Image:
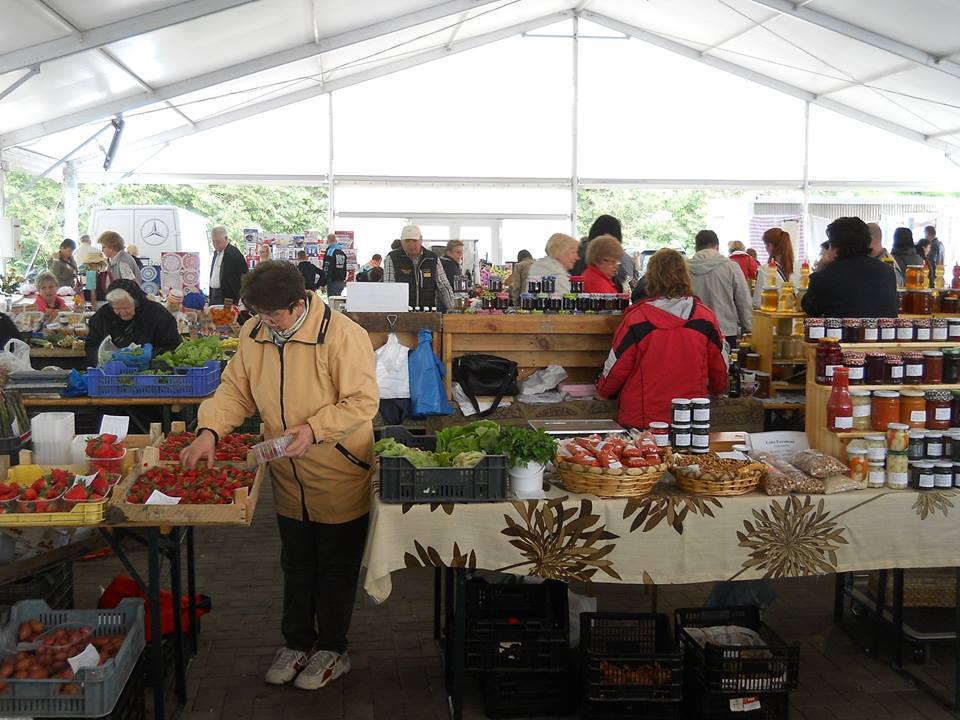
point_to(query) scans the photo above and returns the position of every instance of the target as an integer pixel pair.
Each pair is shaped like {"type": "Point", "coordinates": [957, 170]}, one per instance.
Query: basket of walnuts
{"type": "Point", "coordinates": [613, 466]}
{"type": "Point", "coordinates": [710, 474]}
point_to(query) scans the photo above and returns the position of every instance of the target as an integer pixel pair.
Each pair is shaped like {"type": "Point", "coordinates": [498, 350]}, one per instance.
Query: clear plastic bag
{"type": "Point", "coordinates": [819, 465]}
{"type": "Point", "coordinates": [841, 483]}
{"type": "Point", "coordinates": [782, 478]}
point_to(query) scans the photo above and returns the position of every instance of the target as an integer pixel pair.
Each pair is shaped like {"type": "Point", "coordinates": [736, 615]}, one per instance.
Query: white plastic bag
{"type": "Point", "coordinates": [543, 380]}
{"type": "Point", "coordinates": [392, 375]}
{"type": "Point", "coordinates": [15, 355]}
{"type": "Point", "coordinates": [105, 351]}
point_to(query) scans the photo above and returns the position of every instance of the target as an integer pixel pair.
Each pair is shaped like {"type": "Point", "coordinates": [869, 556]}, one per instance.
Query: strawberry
{"type": "Point", "coordinates": [100, 484]}
{"type": "Point", "coordinates": [30, 494]}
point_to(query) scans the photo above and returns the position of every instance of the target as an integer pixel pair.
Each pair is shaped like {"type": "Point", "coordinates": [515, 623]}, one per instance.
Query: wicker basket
{"type": "Point", "coordinates": [738, 482]}
{"type": "Point", "coordinates": [605, 485]}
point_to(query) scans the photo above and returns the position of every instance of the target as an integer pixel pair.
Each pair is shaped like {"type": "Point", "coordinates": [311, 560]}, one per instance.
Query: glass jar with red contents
{"type": "Point", "coordinates": [913, 368]}
{"type": "Point", "coordinates": [888, 329]}
{"type": "Point", "coordinates": [893, 370]}
{"type": "Point", "coordinates": [850, 330]}
{"type": "Point", "coordinates": [949, 301]}
{"type": "Point", "coordinates": [813, 329]}
{"type": "Point", "coordinates": [913, 409]}
{"type": "Point", "coordinates": [956, 277]}
{"type": "Point", "coordinates": [840, 405]}
{"type": "Point", "coordinates": [904, 329]}
{"type": "Point", "coordinates": [873, 368]}
{"type": "Point", "coordinates": [829, 356]}
{"type": "Point", "coordinates": [921, 329]}
{"type": "Point", "coordinates": [902, 301]}
{"type": "Point", "coordinates": [869, 331]}
{"type": "Point", "coordinates": [923, 304]}
{"type": "Point", "coordinates": [938, 409]}
{"type": "Point", "coordinates": [884, 409]}
{"type": "Point", "coordinates": [932, 367]}
{"type": "Point", "coordinates": [855, 362]}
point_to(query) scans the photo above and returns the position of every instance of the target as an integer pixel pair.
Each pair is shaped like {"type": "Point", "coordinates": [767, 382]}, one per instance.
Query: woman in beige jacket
{"type": "Point", "coordinates": [310, 373]}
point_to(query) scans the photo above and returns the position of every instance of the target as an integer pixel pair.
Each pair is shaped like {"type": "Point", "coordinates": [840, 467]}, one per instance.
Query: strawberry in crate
{"type": "Point", "coordinates": [41, 496]}
{"type": "Point", "coordinates": [106, 452]}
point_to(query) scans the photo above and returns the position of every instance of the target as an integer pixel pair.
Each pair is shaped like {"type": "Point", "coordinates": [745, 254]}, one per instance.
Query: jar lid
{"type": "Point", "coordinates": [701, 401]}
{"type": "Point", "coordinates": [875, 438]}
{"type": "Point", "coordinates": [921, 465]}
{"type": "Point", "coordinates": [932, 353]}
{"type": "Point", "coordinates": [938, 322]}
{"type": "Point", "coordinates": [701, 426]}
{"type": "Point", "coordinates": [856, 451]}
{"type": "Point", "coordinates": [933, 434]}
{"type": "Point", "coordinates": [876, 355]}
{"type": "Point", "coordinates": [894, 360]}
{"type": "Point", "coordinates": [833, 322]}
{"type": "Point", "coordinates": [898, 426]}
{"type": "Point", "coordinates": [680, 401]}
{"type": "Point", "coordinates": [682, 427]}
{"type": "Point", "coordinates": [911, 393]}
{"type": "Point", "coordinates": [903, 323]}
{"type": "Point", "coordinates": [659, 425]}
{"type": "Point", "coordinates": [944, 465]}
{"type": "Point", "coordinates": [830, 341]}
{"type": "Point", "coordinates": [886, 394]}
{"type": "Point", "coordinates": [939, 396]}
{"type": "Point", "coordinates": [854, 357]}
{"type": "Point", "coordinates": [852, 322]}
{"type": "Point", "coordinates": [859, 392]}
{"type": "Point", "coordinates": [917, 434]}
{"type": "Point", "coordinates": [912, 356]}
{"type": "Point", "coordinates": [813, 322]}
{"type": "Point", "coordinates": [876, 464]}
{"type": "Point", "coordinates": [869, 322]}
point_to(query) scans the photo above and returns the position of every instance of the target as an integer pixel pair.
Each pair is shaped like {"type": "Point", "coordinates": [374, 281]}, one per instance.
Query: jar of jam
{"type": "Point", "coordinates": [921, 329]}
{"type": "Point", "coordinates": [861, 409]}
{"type": "Point", "coordinates": [533, 287]}
{"type": "Point", "coordinates": [700, 437]}
{"type": "Point", "coordinates": [701, 410]}
{"type": "Point", "coordinates": [851, 330]}
{"type": "Point", "coordinates": [951, 366]}
{"type": "Point", "coordinates": [913, 409]}
{"type": "Point", "coordinates": [548, 284]}
{"type": "Point", "coordinates": [682, 411]}
{"type": "Point", "coordinates": [949, 438]}
{"type": "Point", "coordinates": [943, 475]}
{"type": "Point", "coordinates": [857, 462]}
{"type": "Point", "coordinates": [526, 302]}
{"type": "Point", "coordinates": [873, 368]}
{"type": "Point", "coordinates": [955, 409]}
{"type": "Point", "coordinates": [486, 302]}
{"type": "Point", "coordinates": [953, 329]}
{"type": "Point", "coordinates": [912, 368]}
{"type": "Point", "coordinates": [938, 409]}
{"type": "Point", "coordinates": [753, 361]}
{"type": "Point", "coordinates": [569, 302]}
{"type": "Point", "coordinates": [828, 357]}
{"type": "Point", "coordinates": [763, 384]}
{"type": "Point", "coordinates": [503, 301]}
{"type": "Point", "coordinates": [932, 367]}
{"type": "Point", "coordinates": [888, 329]}
{"type": "Point", "coordinates": [898, 470]}
{"type": "Point", "coordinates": [576, 285]}
{"type": "Point", "coordinates": [884, 409]}
{"type": "Point", "coordinates": [876, 448]}
{"type": "Point", "coordinates": [834, 327]}
{"type": "Point", "coordinates": [661, 433]}
{"type": "Point", "coordinates": [583, 303]}
{"type": "Point", "coordinates": [917, 447]}
{"type": "Point", "coordinates": [950, 301]}
{"type": "Point", "coordinates": [555, 303]}
{"type": "Point", "coordinates": [623, 302]}
{"type": "Point", "coordinates": [898, 439]}
{"type": "Point", "coordinates": [939, 329]}
{"type": "Point", "coordinates": [495, 284]}
{"type": "Point", "coordinates": [680, 437]}
{"type": "Point", "coordinates": [876, 475]}
{"type": "Point", "coordinates": [904, 329]}
{"type": "Point", "coordinates": [933, 445]}
{"type": "Point", "coordinates": [855, 362]}
{"type": "Point", "coordinates": [902, 301]}
{"type": "Point", "coordinates": [596, 302]}
{"type": "Point", "coordinates": [923, 476]}
{"type": "Point", "coordinates": [813, 329]}
{"type": "Point", "coordinates": [893, 370]}
{"type": "Point", "coordinates": [923, 305]}
{"type": "Point", "coordinates": [870, 331]}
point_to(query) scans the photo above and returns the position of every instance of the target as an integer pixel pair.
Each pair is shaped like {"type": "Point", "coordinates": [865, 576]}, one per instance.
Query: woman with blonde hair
{"type": "Point", "coordinates": [738, 253]}
{"type": "Point", "coordinates": [668, 345]}
{"type": "Point", "coordinates": [780, 252]}
{"type": "Point", "coordinates": [561, 257]}
{"type": "Point", "coordinates": [603, 262]}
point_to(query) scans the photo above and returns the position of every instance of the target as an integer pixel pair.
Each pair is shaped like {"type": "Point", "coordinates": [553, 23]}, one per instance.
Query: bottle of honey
{"type": "Point", "coordinates": [770, 296]}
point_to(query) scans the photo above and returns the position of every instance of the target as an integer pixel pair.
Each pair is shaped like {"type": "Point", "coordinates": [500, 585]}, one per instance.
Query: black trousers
{"type": "Point", "coordinates": [216, 296]}
{"type": "Point", "coordinates": [321, 565]}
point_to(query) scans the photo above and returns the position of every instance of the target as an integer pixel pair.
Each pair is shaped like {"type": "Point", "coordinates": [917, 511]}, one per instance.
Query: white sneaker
{"type": "Point", "coordinates": [322, 667]}
{"type": "Point", "coordinates": [286, 664]}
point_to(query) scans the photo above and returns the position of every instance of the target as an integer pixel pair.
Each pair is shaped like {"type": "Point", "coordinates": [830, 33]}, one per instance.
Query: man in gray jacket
{"type": "Point", "coordinates": [721, 286]}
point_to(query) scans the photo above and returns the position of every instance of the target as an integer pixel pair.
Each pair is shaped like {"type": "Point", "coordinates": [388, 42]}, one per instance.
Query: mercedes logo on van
{"type": "Point", "coordinates": [154, 232]}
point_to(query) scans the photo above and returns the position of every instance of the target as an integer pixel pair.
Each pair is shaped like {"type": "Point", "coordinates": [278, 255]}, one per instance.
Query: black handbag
{"type": "Point", "coordinates": [486, 375]}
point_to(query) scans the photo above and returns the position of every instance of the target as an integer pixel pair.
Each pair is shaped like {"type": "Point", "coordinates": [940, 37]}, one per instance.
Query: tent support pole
{"type": "Point", "coordinates": [331, 211]}
{"type": "Point", "coordinates": [575, 128]}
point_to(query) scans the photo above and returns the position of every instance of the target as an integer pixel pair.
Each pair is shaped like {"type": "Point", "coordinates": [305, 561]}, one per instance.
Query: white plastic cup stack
{"type": "Point", "coordinates": [53, 432]}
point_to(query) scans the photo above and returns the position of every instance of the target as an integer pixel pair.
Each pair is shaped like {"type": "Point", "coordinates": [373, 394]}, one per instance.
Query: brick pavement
{"type": "Point", "coordinates": [397, 669]}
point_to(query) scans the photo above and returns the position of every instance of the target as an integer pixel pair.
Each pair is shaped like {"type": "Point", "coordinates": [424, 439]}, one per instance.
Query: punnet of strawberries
{"type": "Point", "coordinates": [201, 486]}
{"type": "Point", "coordinates": [97, 490]}
{"type": "Point", "coordinates": [231, 448]}
{"type": "Point", "coordinates": [106, 452]}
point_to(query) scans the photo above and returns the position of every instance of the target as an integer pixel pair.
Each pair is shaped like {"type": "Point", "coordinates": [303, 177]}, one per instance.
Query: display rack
{"type": "Point", "coordinates": [835, 443]}
{"type": "Point", "coordinates": [766, 325]}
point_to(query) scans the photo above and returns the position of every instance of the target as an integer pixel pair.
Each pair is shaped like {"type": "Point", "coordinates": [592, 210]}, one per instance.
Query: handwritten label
{"type": "Point", "coordinates": [89, 658]}
{"type": "Point", "coordinates": [159, 498]}
{"type": "Point", "coordinates": [118, 425]}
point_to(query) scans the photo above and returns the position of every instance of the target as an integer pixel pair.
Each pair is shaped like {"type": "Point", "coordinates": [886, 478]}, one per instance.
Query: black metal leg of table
{"type": "Point", "coordinates": [838, 589]}
{"type": "Point", "coordinates": [179, 662]}
{"type": "Point", "coordinates": [956, 647]}
{"type": "Point", "coordinates": [898, 618]}
{"type": "Point", "coordinates": [156, 637]}
{"type": "Point", "coordinates": [448, 625]}
{"type": "Point", "coordinates": [437, 594]}
{"type": "Point", "coordinates": [192, 592]}
{"type": "Point", "coordinates": [455, 649]}
{"type": "Point", "coordinates": [878, 624]}
{"type": "Point", "coordinates": [166, 417]}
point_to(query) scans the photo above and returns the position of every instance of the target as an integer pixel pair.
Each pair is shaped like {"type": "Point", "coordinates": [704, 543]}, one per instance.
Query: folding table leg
{"type": "Point", "coordinates": [436, 603]}
{"type": "Point", "coordinates": [156, 632]}
{"type": "Point", "coordinates": [192, 591]}
{"type": "Point", "coordinates": [898, 618]}
{"type": "Point", "coordinates": [838, 589]}
{"type": "Point", "coordinates": [456, 648]}
{"type": "Point", "coordinates": [180, 666]}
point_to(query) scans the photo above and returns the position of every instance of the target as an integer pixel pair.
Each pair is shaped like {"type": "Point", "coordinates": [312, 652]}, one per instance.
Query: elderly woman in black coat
{"type": "Point", "coordinates": [129, 316]}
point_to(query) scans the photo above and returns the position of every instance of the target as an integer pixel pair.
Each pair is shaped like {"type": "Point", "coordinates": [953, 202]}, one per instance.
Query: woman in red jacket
{"type": "Point", "coordinates": [603, 261]}
{"type": "Point", "coordinates": [668, 346]}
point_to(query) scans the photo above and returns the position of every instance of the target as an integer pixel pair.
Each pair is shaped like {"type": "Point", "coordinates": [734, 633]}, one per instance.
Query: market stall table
{"type": "Point", "coordinates": [168, 405]}
{"type": "Point", "coordinates": [67, 358]}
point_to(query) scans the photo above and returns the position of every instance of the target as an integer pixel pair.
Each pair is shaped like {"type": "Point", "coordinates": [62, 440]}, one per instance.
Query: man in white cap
{"type": "Point", "coordinates": [420, 269]}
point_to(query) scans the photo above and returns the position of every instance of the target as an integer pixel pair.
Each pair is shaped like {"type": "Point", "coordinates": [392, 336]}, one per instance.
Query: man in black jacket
{"type": "Point", "coordinates": [334, 275]}
{"type": "Point", "coordinates": [312, 277]}
{"type": "Point", "coordinates": [854, 285]}
{"type": "Point", "coordinates": [229, 266]}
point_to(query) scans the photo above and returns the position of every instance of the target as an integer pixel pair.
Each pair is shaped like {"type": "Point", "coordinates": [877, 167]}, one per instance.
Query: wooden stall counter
{"type": "Point", "coordinates": [406, 325]}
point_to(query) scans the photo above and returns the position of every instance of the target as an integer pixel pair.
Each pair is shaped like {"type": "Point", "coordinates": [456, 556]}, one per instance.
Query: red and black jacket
{"type": "Point", "coordinates": [658, 356]}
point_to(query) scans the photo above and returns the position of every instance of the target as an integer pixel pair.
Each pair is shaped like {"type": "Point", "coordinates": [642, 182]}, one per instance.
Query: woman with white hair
{"type": "Point", "coordinates": [129, 316]}
{"type": "Point", "coordinates": [122, 266]}
{"type": "Point", "coordinates": [561, 257]}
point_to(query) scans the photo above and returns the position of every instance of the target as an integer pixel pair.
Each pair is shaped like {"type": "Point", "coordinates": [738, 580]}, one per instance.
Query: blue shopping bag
{"type": "Point", "coordinates": [428, 396]}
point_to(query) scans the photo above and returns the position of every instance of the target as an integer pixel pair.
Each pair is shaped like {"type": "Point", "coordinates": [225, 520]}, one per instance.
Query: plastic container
{"type": "Point", "coordinates": [533, 694]}
{"type": "Point", "coordinates": [516, 626]}
{"type": "Point", "coordinates": [52, 435]}
{"type": "Point", "coordinates": [402, 482]}
{"type": "Point", "coordinates": [117, 380]}
{"type": "Point", "coordinates": [112, 466]}
{"type": "Point", "coordinates": [99, 687]}
{"type": "Point", "coordinates": [271, 449]}
{"type": "Point", "coordinates": [53, 586]}
{"type": "Point", "coordinates": [526, 481]}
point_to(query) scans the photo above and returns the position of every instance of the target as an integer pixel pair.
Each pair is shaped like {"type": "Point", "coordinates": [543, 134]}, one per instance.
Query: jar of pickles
{"type": "Point", "coordinates": [892, 370]}
{"type": "Point", "coordinates": [873, 368]}
{"type": "Point", "coordinates": [898, 470]}
{"type": "Point", "coordinates": [834, 328]}
{"type": "Point", "coordinates": [888, 329]}
{"type": "Point", "coordinates": [932, 367]}
{"type": "Point", "coordinates": [938, 409]}
{"type": "Point", "coordinates": [904, 329]}
{"type": "Point", "coordinates": [857, 462]}
{"type": "Point", "coordinates": [855, 362]}
{"type": "Point", "coordinates": [876, 475]}
{"type": "Point", "coordinates": [876, 448]}
{"type": "Point", "coordinates": [912, 368]}
{"type": "Point", "coordinates": [921, 329]}
{"type": "Point", "coordinates": [850, 330]}
{"type": "Point", "coordinates": [884, 409]}
{"type": "Point", "coordinates": [861, 401]}
{"type": "Point", "coordinates": [828, 357]}
{"type": "Point", "coordinates": [898, 438]}
{"type": "Point", "coordinates": [951, 366]}
{"type": "Point", "coordinates": [913, 409]}
{"type": "Point", "coordinates": [813, 329]}
{"type": "Point", "coordinates": [938, 329]}
{"type": "Point", "coordinates": [869, 331]}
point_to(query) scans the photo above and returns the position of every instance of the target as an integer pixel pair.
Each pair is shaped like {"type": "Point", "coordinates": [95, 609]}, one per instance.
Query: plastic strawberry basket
{"type": "Point", "coordinates": [100, 687]}
{"type": "Point", "coordinates": [115, 379]}
{"type": "Point", "coordinates": [403, 482]}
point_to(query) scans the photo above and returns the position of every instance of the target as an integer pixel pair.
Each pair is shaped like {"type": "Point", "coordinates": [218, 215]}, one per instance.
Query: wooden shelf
{"type": "Point", "coordinates": [779, 315]}
{"type": "Point", "coordinates": [941, 386]}
{"type": "Point", "coordinates": [781, 385]}
{"type": "Point", "coordinates": [790, 362]}
{"type": "Point", "coordinates": [895, 345]}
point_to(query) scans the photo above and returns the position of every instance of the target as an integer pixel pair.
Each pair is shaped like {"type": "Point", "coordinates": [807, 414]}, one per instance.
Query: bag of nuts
{"type": "Point", "coordinates": [782, 478]}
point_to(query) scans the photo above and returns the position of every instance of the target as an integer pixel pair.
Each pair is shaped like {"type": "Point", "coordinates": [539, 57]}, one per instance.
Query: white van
{"type": "Point", "coordinates": [155, 229]}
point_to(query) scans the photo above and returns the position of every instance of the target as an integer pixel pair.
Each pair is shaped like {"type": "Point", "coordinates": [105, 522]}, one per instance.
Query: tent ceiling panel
{"type": "Point", "coordinates": [25, 24]}
{"type": "Point", "coordinates": [933, 94]}
{"type": "Point", "coordinates": [86, 14]}
{"type": "Point", "coordinates": [896, 109]}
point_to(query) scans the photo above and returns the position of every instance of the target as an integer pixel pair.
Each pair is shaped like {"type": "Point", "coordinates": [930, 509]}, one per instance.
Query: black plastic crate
{"type": "Point", "coordinates": [701, 705]}
{"type": "Point", "coordinates": [535, 694]}
{"type": "Point", "coordinates": [731, 669]}
{"type": "Point", "coordinates": [55, 586]}
{"type": "Point", "coordinates": [630, 709]}
{"type": "Point", "coordinates": [402, 482]}
{"type": "Point", "coordinates": [629, 656]}
{"type": "Point", "coordinates": [517, 626]}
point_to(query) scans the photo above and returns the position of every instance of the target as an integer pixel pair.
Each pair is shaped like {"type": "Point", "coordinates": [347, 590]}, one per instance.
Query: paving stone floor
{"type": "Point", "coordinates": [397, 669]}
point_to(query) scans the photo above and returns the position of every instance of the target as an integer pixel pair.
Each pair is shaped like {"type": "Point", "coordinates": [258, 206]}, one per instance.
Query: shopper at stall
{"type": "Point", "coordinates": [334, 275]}
{"type": "Point", "coordinates": [780, 251]}
{"type": "Point", "coordinates": [62, 264]}
{"type": "Point", "coordinates": [936, 255]}
{"type": "Point", "coordinates": [561, 257]}
{"type": "Point", "coordinates": [748, 265]}
{"type": "Point", "coordinates": [121, 265]}
{"type": "Point", "coordinates": [855, 284]}
{"type": "Point", "coordinates": [827, 256]}
{"type": "Point", "coordinates": [47, 299]}
{"type": "Point", "coordinates": [372, 271]}
{"type": "Point", "coordinates": [134, 252]}
{"type": "Point", "coordinates": [667, 346]}
{"type": "Point", "coordinates": [904, 251]}
{"type": "Point", "coordinates": [451, 259]}
{"type": "Point", "coordinates": [264, 252]}
{"type": "Point", "coordinates": [311, 273]}
{"type": "Point", "coordinates": [878, 251]}
{"type": "Point", "coordinates": [83, 250]}
{"type": "Point", "coordinates": [420, 269]}
{"type": "Point", "coordinates": [608, 225]}
{"type": "Point", "coordinates": [603, 261]}
{"type": "Point", "coordinates": [129, 316]}
{"type": "Point", "coordinates": [311, 374]}
{"type": "Point", "coordinates": [8, 330]}
{"type": "Point", "coordinates": [519, 275]}
{"type": "Point", "coordinates": [721, 286]}
{"type": "Point", "coordinates": [228, 268]}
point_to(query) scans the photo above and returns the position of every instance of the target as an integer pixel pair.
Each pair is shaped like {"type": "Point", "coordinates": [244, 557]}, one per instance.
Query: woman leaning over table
{"type": "Point", "coordinates": [310, 373]}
